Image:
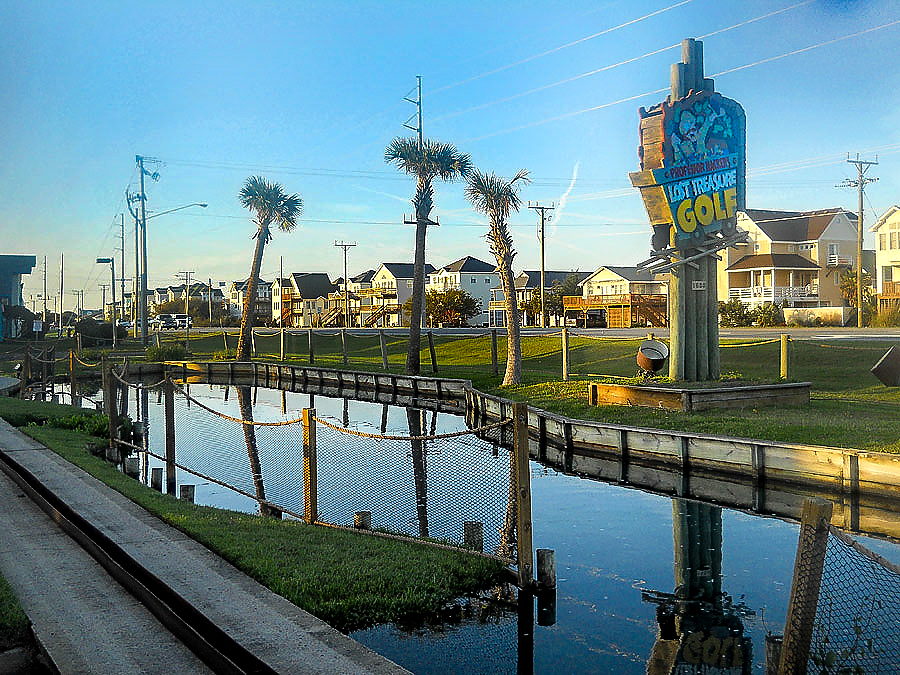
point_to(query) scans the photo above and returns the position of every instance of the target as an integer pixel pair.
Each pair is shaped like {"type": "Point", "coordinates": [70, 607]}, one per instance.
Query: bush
{"type": "Point", "coordinates": [94, 333]}
{"type": "Point", "coordinates": [734, 314]}
{"type": "Point", "coordinates": [224, 355]}
{"type": "Point", "coordinates": [887, 318]}
{"type": "Point", "coordinates": [169, 352]}
{"type": "Point", "coordinates": [768, 314]}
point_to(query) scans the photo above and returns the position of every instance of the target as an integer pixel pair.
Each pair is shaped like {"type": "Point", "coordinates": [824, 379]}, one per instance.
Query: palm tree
{"type": "Point", "coordinates": [496, 197]}
{"type": "Point", "coordinates": [270, 204]}
{"type": "Point", "coordinates": [425, 161]}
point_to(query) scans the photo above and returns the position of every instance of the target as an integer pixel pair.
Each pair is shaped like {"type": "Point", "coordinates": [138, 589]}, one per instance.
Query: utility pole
{"type": "Point", "coordinates": [103, 288]}
{"type": "Point", "coordinates": [209, 298]}
{"type": "Point", "coordinates": [418, 114]}
{"type": "Point", "coordinates": [122, 271]}
{"type": "Point", "coordinates": [862, 166]}
{"type": "Point", "coordinates": [44, 316]}
{"type": "Point", "coordinates": [135, 280]}
{"type": "Point", "coordinates": [59, 323]}
{"type": "Point", "coordinates": [542, 210]}
{"type": "Point", "coordinates": [187, 297]}
{"type": "Point", "coordinates": [346, 245]}
{"type": "Point", "coordinates": [143, 277]}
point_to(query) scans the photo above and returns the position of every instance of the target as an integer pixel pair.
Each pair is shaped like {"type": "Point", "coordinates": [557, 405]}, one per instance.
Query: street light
{"type": "Point", "coordinates": [143, 274]}
{"type": "Point", "coordinates": [112, 268]}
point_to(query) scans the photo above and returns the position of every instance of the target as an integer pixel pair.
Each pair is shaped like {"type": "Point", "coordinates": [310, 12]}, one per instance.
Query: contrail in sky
{"type": "Point", "coordinates": [564, 199]}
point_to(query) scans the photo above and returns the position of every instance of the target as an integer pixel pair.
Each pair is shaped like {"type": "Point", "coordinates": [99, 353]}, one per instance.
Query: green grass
{"type": "Point", "coordinates": [350, 580]}
{"type": "Point", "coordinates": [13, 622]}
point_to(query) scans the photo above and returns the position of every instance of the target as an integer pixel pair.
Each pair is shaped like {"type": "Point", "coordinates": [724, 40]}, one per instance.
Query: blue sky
{"type": "Point", "coordinates": [309, 94]}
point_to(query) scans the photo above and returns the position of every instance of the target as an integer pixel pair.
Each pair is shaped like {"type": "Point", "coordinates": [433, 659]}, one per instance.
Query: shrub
{"type": "Point", "coordinates": [768, 314]}
{"type": "Point", "coordinates": [887, 318]}
{"type": "Point", "coordinates": [224, 355]}
{"type": "Point", "coordinates": [734, 314]}
{"type": "Point", "coordinates": [168, 352]}
{"type": "Point", "coordinates": [94, 333]}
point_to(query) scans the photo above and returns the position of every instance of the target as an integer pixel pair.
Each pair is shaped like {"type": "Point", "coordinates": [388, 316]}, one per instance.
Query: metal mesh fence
{"type": "Point", "coordinates": [453, 489]}
{"type": "Point", "coordinates": [857, 622]}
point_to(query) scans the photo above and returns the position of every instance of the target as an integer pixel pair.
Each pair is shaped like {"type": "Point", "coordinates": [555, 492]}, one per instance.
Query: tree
{"type": "Point", "coordinates": [425, 161]}
{"type": "Point", "coordinates": [269, 204]}
{"type": "Point", "coordinates": [452, 307]}
{"type": "Point", "coordinates": [848, 293]}
{"type": "Point", "coordinates": [558, 291]}
{"type": "Point", "coordinates": [496, 197]}
{"type": "Point", "coordinates": [734, 314]}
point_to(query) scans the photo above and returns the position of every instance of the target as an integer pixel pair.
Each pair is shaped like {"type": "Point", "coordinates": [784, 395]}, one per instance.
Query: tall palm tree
{"type": "Point", "coordinates": [426, 162]}
{"type": "Point", "coordinates": [269, 204]}
{"type": "Point", "coordinates": [496, 197]}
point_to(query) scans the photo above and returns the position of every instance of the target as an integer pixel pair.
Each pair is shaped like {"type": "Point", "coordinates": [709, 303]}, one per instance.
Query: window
{"type": "Point", "coordinates": [895, 239]}
{"type": "Point", "coordinates": [472, 280]}
{"type": "Point", "coordinates": [887, 274]}
{"type": "Point", "coordinates": [409, 283]}
{"type": "Point", "coordinates": [882, 242]}
{"type": "Point", "coordinates": [832, 249]}
{"type": "Point", "coordinates": [487, 281]}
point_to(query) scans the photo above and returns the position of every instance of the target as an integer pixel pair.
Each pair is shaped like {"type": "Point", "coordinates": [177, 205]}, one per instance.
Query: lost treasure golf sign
{"type": "Point", "coordinates": [693, 168]}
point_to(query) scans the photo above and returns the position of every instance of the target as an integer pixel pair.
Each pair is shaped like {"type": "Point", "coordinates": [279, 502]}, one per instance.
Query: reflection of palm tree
{"type": "Point", "coordinates": [414, 417]}
{"type": "Point", "coordinates": [246, 409]}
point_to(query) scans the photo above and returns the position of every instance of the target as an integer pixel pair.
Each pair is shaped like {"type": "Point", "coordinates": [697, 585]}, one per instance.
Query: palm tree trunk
{"type": "Point", "coordinates": [413, 365]}
{"type": "Point", "coordinates": [243, 348]}
{"type": "Point", "coordinates": [513, 373]}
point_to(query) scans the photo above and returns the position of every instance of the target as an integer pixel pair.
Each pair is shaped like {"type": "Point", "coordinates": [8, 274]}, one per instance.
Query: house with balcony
{"type": "Point", "coordinates": [619, 297]}
{"type": "Point", "coordinates": [471, 275]}
{"type": "Point", "coordinates": [391, 286]}
{"type": "Point", "coordinates": [887, 258]}
{"type": "Point", "coordinates": [298, 301]}
{"type": "Point", "coordinates": [528, 282]}
{"type": "Point", "coordinates": [12, 268]}
{"type": "Point", "coordinates": [794, 258]}
{"type": "Point", "coordinates": [262, 307]}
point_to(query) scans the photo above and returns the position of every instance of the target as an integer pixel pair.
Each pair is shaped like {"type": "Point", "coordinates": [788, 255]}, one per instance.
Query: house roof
{"type": "Point", "coordinates": [469, 264]}
{"type": "Point", "coordinates": [768, 260]}
{"type": "Point", "coordinates": [405, 270]}
{"type": "Point", "coordinates": [887, 214]}
{"type": "Point", "coordinates": [312, 284]}
{"type": "Point", "coordinates": [795, 225]}
{"type": "Point", "coordinates": [241, 285]}
{"type": "Point", "coordinates": [532, 278]}
{"type": "Point", "coordinates": [363, 277]}
{"type": "Point", "coordinates": [627, 273]}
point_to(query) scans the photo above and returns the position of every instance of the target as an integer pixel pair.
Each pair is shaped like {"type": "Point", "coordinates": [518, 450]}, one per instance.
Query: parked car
{"type": "Point", "coordinates": [183, 320]}
{"type": "Point", "coordinates": [163, 322]}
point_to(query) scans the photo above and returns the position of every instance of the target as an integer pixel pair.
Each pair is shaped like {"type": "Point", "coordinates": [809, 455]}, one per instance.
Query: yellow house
{"type": "Point", "coordinates": [887, 257]}
{"type": "Point", "coordinates": [794, 258]}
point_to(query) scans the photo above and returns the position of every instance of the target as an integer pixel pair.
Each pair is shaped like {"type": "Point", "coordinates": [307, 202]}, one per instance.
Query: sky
{"type": "Point", "coordinates": [309, 94]}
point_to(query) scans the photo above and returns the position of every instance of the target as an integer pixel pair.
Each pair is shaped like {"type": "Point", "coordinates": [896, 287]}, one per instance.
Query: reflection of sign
{"type": "Point", "coordinates": [693, 161]}
{"type": "Point", "coordinates": [725, 653]}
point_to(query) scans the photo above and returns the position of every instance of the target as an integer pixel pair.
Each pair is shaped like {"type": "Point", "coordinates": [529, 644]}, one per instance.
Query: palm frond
{"type": "Point", "coordinates": [271, 203]}
{"type": "Point", "coordinates": [494, 195]}
{"type": "Point", "coordinates": [433, 160]}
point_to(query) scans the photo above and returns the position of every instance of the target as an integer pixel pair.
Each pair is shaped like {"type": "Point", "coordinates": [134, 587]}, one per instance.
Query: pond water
{"type": "Point", "coordinates": [627, 560]}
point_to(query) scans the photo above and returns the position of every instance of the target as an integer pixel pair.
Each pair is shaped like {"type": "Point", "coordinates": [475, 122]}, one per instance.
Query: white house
{"type": "Point", "coordinates": [393, 283]}
{"type": "Point", "coordinates": [471, 275]}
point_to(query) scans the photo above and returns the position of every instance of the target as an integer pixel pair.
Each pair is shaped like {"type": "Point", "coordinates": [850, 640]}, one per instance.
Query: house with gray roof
{"type": "Point", "coordinates": [471, 275]}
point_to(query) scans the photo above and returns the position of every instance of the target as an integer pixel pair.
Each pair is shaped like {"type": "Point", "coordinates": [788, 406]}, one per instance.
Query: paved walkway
{"type": "Point", "coordinates": [88, 624]}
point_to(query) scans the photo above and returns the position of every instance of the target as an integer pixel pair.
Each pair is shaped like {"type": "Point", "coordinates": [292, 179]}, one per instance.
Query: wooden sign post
{"type": "Point", "coordinates": [692, 182]}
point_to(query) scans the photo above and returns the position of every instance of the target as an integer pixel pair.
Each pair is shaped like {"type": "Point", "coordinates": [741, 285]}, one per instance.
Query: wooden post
{"type": "Point", "coordinates": [362, 520]}
{"type": "Point", "coordinates": [473, 535]}
{"type": "Point", "coordinates": [312, 353]}
{"type": "Point", "coordinates": [434, 365]}
{"type": "Point", "coordinates": [524, 550]}
{"type": "Point", "coordinates": [109, 402]}
{"type": "Point", "coordinates": [78, 343]}
{"type": "Point", "coordinates": [565, 354]}
{"type": "Point", "coordinates": [785, 358]}
{"type": "Point", "coordinates": [310, 466]}
{"type": "Point", "coordinates": [811, 546]}
{"type": "Point", "coordinates": [225, 340]}
{"type": "Point", "coordinates": [187, 492]}
{"type": "Point", "coordinates": [156, 478]}
{"type": "Point", "coordinates": [73, 382]}
{"type": "Point", "coordinates": [494, 367]}
{"type": "Point", "coordinates": [344, 345]}
{"type": "Point", "coordinates": [132, 467]}
{"type": "Point", "coordinates": [253, 342]}
{"type": "Point", "coordinates": [546, 568]}
{"type": "Point", "coordinates": [169, 408]}
{"type": "Point", "coordinates": [281, 343]}
{"type": "Point", "coordinates": [26, 371]}
{"type": "Point", "coordinates": [384, 355]}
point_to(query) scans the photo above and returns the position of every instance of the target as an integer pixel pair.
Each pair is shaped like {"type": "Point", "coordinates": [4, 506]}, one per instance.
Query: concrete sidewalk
{"type": "Point", "coordinates": [89, 624]}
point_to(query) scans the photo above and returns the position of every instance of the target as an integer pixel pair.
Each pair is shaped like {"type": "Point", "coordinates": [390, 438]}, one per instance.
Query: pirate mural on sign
{"type": "Point", "coordinates": [694, 124]}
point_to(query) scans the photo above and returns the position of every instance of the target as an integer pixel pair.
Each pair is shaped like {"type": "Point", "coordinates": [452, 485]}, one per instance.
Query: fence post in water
{"type": "Point", "coordinates": [26, 371]}
{"type": "Point", "coordinates": [253, 342]}
{"type": "Point", "coordinates": [156, 478]}
{"type": "Point", "coordinates": [310, 467]}
{"type": "Point", "coordinates": [811, 546]}
{"type": "Point", "coordinates": [312, 352]}
{"type": "Point", "coordinates": [785, 357]}
{"type": "Point", "coordinates": [109, 401]}
{"type": "Point", "coordinates": [565, 354]}
{"type": "Point", "coordinates": [494, 368]}
{"type": "Point", "coordinates": [169, 408]}
{"type": "Point", "coordinates": [383, 343]}
{"type": "Point", "coordinates": [524, 552]}
{"type": "Point", "coordinates": [187, 492]}
{"type": "Point", "coordinates": [344, 345]}
{"type": "Point", "coordinates": [434, 365]}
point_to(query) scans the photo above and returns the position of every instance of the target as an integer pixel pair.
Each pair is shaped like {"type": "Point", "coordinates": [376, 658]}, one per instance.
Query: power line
{"type": "Point", "coordinates": [561, 47]}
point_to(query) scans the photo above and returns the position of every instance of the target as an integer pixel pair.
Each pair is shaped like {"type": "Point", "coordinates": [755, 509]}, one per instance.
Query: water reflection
{"type": "Point", "coordinates": [420, 478]}
{"type": "Point", "coordinates": [246, 409]}
{"type": "Point", "coordinates": [700, 627]}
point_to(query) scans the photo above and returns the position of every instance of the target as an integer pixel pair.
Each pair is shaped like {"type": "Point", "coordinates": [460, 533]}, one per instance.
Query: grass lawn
{"type": "Point", "coordinates": [850, 408]}
{"type": "Point", "coordinates": [13, 622]}
{"type": "Point", "coordinates": [350, 580]}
